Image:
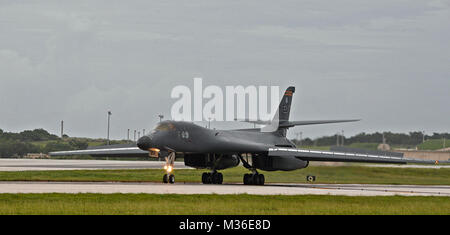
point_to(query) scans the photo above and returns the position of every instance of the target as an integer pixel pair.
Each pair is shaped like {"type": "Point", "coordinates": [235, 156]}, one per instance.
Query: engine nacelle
{"type": "Point", "coordinates": [277, 163]}
{"type": "Point", "coordinates": [210, 161]}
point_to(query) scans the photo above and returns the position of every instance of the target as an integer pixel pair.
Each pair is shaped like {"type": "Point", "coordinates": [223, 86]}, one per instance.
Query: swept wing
{"type": "Point", "coordinates": [332, 156]}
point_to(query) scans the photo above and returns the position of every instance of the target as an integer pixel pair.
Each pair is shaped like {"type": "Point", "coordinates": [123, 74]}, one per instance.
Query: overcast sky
{"type": "Point", "coordinates": [387, 61]}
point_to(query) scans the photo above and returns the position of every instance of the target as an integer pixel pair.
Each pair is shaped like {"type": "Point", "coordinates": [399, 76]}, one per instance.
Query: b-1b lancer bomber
{"type": "Point", "coordinates": [265, 148]}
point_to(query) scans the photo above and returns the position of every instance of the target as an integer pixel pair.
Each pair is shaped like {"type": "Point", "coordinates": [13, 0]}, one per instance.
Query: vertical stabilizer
{"type": "Point", "coordinates": [284, 108]}
{"type": "Point", "coordinates": [283, 111]}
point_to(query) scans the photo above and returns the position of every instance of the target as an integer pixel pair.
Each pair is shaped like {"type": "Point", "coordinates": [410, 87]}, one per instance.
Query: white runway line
{"type": "Point", "coordinates": [56, 164]}
{"type": "Point", "coordinates": [11, 164]}
{"type": "Point", "coordinates": [192, 188]}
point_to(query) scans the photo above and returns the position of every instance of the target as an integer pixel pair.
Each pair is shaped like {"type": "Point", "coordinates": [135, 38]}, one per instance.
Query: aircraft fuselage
{"type": "Point", "coordinates": [186, 137]}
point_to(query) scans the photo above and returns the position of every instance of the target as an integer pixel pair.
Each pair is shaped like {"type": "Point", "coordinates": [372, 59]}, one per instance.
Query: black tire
{"type": "Point", "coordinates": [220, 181]}
{"type": "Point", "coordinates": [215, 178]}
{"type": "Point", "coordinates": [204, 178]}
{"type": "Point", "coordinates": [246, 177]}
{"type": "Point", "coordinates": [171, 179]}
{"type": "Point", "coordinates": [262, 179]}
{"type": "Point", "coordinates": [165, 179]}
{"type": "Point", "coordinates": [251, 179]}
{"type": "Point", "coordinates": [255, 179]}
{"type": "Point", "coordinates": [209, 179]}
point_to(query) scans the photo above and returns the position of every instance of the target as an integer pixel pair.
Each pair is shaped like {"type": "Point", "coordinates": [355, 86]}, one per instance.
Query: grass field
{"type": "Point", "coordinates": [217, 204]}
{"type": "Point", "coordinates": [325, 174]}
{"type": "Point", "coordinates": [433, 144]}
{"type": "Point", "coordinates": [369, 146]}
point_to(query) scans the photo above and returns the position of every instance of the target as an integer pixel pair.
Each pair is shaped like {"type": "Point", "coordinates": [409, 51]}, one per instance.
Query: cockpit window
{"type": "Point", "coordinates": [165, 127]}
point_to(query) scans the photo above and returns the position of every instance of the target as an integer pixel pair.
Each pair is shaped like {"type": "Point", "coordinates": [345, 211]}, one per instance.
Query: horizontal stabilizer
{"type": "Point", "coordinates": [314, 122]}
{"type": "Point", "coordinates": [257, 122]}
{"type": "Point", "coordinates": [298, 123]}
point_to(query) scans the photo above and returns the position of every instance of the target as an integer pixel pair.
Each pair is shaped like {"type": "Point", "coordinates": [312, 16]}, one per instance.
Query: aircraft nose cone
{"type": "Point", "coordinates": [144, 142]}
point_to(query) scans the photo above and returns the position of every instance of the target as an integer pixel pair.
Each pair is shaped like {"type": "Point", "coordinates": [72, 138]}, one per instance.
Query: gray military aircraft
{"type": "Point", "coordinates": [265, 148]}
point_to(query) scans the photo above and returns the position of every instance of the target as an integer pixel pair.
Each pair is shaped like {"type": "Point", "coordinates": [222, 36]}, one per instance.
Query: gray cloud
{"type": "Point", "coordinates": [386, 62]}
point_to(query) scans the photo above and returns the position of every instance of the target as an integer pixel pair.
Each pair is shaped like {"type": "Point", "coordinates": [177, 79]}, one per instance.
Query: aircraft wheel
{"type": "Point", "coordinates": [205, 178]}
{"type": "Point", "coordinates": [220, 180]}
{"type": "Point", "coordinates": [217, 178]}
{"type": "Point", "coordinates": [214, 178]}
{"type": "Point", "coordinates": [251, 179]}
{"type": "Point", "coordinates": [165, 179]}
{"type": "Point", "coordinates": [262, 179]}
{"type": "Point", "coordinates": [246, 179]}
{"type": "Point", "coordinates": [255, 179]}
{"type": "Point", "coordinates": [209, 178]}
{"type": "Point", "coordinates": [172, 179]}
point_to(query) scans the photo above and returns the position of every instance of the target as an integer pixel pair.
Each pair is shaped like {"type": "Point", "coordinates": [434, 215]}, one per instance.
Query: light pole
{"type": "Point", "coordinates": [160, 117]}
{"type": "Point", "coordinates": [62, 129]}
{"type": "Point", "coordinates": [109, 118]}
{"type": "Point", "coordinates": [209, 123]}
{"type": "Point", "coordinates": [299, 139]}
{"type": "Point", "coordinates": [337, 139]}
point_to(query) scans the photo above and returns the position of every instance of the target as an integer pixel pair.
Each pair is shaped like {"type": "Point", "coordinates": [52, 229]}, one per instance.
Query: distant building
{"type": "Point", "coordinates": [37, 156]}
{"type": "Point", "coordinates": [384, 147]}
{"type": "Point", "coordinates": [426, 154]}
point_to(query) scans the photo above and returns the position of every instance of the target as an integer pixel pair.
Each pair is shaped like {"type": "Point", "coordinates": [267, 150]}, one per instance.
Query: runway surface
{"type": "Point", "coordinates": [189, 188]}
{"type": "Point", "coordinates": [196, 188]}
{"type": "Point", "coordinates": [53, 164]}
{"type": "Point", "coordinates": [7, 164]}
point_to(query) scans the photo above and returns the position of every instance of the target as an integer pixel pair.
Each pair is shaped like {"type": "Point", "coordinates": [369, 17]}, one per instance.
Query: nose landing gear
{"type": "Point", "coordinates": [169, 178]}
{"type": "Point", "coordinates": [170, 161]}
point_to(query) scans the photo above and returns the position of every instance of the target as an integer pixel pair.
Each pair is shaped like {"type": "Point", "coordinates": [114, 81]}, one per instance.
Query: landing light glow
{"type": "Point", "coordinates": [154, 149]}
{"type": "Point", "coordinates": [168, 168]}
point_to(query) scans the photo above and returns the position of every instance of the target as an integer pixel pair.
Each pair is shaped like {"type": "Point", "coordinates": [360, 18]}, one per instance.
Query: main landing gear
{"type": "Point", "coordinates": [212, 178]}
{"type": "Point", "coordinates": [170, 161]}
{"type": "Point", "coordinates": [254, 179]}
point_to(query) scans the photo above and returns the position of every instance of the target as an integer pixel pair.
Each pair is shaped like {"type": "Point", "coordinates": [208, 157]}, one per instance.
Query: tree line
{"type": "Point", "coordinates": [38, 141]}
{"type": "Point", "coordinates": [410, 139]}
